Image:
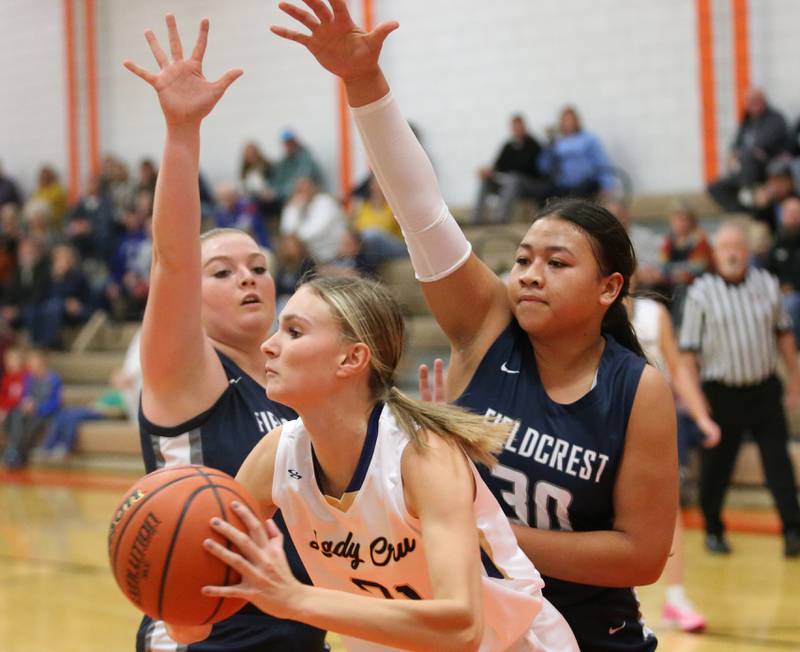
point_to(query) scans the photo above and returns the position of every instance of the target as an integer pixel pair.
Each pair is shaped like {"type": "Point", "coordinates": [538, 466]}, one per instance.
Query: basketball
{"type": "Point", "coordinates": [155, 543]}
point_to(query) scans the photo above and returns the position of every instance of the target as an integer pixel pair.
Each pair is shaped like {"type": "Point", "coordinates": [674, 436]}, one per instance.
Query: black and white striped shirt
{"type": "Point", "coordinates": [733, 327]}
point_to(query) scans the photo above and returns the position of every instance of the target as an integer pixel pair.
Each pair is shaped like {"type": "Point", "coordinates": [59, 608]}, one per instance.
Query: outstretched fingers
{"type": "Point", "coordinates": [221, 85]}
{"type": "Point", "coordinates": [174, 39]}
{"type": "Point", "coordinates": [290, 35]}
{"type": "Point", "coordinates": [202, 40]}
{"type": "Point", "coordinates": [379, 34]}
{"type": "Point", "coordinates": [148, 76]}
{"type": "Point", "coordinates": [300, 15]}
{"type": "Point", "coordinates": [155, 48]}
{"type": "Point", "coordinates": [320, 9]}
{"type": "Point", "coordinates": [257, 530]}
{"type": "Point", "coordinates": [248, 550]}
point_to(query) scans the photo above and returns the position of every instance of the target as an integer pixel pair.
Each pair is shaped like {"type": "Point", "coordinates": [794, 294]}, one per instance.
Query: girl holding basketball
{"type": "Point", "coordinates": [589, 472]}
{"type": "Point", "coordinates": [379, 495]}
{"type": "Point", "coordinates": [211, 304]}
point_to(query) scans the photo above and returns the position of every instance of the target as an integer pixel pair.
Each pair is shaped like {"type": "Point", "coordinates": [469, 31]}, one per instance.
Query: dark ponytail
{"type": "Point", "coordinates": [614, 253]}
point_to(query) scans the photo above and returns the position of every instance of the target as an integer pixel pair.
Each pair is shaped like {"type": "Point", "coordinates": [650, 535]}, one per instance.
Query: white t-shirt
{"type": "Point", "coordinates": [320, 225]}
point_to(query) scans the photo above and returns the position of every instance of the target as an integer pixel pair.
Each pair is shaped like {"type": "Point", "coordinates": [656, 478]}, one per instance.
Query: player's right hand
{"type": "Point", "coordinates": [186, 96]}
{"type": "Point", "coordinates": [336, 41]}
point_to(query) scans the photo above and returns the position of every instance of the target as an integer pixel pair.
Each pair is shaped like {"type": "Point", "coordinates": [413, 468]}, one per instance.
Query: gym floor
{"type": "Point", "coordinates": [57, 594]}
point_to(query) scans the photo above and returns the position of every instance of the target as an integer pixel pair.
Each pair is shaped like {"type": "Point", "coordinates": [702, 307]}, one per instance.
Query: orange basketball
{"type": "Point", "coordinates": [155, 543]}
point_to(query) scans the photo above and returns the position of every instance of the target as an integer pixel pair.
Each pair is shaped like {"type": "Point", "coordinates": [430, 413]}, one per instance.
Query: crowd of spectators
{"type": "Point", "coordinates": [60, 261]}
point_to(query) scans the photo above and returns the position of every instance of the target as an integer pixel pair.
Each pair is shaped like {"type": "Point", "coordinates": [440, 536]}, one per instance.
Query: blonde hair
{"type": "Point", "coordinates": [367, 313]}
{"type": "Point", "coordinates": [218, 231]}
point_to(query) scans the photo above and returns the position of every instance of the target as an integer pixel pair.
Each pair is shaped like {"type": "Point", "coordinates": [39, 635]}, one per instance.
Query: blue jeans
{"type": "Point", "coordinates": [64, 429]}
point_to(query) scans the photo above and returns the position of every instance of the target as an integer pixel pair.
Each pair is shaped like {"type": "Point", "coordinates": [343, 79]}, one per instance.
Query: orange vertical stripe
{"type": "Point", "coordinates": [741, 45]}
{"type": "Point", "coordinates": [91, 88]}
{"type": "Point", "coordinates": [369, 16]}
{"type": "Point", "coordinates": [345, 182]}
{"type": "Point", "coordinates": [73, 168]}
{"type": "Point", "coordinates": [707, 99]}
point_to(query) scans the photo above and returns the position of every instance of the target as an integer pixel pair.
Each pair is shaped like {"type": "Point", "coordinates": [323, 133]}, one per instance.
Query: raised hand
{"type": "Point", "coordinates": [267, 580]}
{"type": "Point", "coordinates": [336, 41]}
{"type": "Point", "coordinates": [436, 392]}
{"type": "Point", "coordinates": [186, 96]}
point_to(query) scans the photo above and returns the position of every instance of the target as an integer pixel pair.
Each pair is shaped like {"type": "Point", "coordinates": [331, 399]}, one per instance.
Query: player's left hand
{"type": "Point", "coordinates": [267, 580]}
{"type": "Point", "coordinates": [433, 393]}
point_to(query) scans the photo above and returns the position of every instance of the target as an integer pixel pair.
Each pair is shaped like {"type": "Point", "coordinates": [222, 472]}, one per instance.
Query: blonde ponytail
{"type": "Point", "coordinates": [480, 440]}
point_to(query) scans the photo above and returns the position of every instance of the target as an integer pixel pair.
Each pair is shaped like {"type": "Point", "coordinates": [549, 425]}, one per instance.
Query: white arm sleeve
{"type": "Point", "coordinates": [436, 244]}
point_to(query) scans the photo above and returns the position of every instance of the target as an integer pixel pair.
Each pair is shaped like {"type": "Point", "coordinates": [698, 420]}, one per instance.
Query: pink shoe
{"type": "Point", "coordinates": [684, 616]}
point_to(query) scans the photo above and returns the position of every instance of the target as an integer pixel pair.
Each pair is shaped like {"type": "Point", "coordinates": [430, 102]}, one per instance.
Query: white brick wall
{"type": "Point", "coordinates": [33, 122]}
{"type": "Point", "coordinates": [629, 67]}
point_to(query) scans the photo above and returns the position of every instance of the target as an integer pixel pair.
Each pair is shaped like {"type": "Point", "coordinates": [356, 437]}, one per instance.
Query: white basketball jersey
{"type": "Point", "coordinates": [647, 324]}
{"type": "Point", "coordinates": [368, 544]}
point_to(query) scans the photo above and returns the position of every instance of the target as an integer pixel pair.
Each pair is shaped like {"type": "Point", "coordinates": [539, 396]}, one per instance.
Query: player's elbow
{"type": "Point", "coordinates": [467, 632]}
{"type": "Point", "coordinates": [649, 568]}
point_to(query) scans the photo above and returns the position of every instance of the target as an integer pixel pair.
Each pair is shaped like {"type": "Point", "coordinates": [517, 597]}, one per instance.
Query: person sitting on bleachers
{"type": "Point", "coordinates": [128, 285]}
{"type": "Point", "coordinates": [769, 197]}
{"type": "Point", "coordinates": [50, 191]}
{"type": "Point", "coordinates": [515, 174]}
{"type": "Point", "coordinates": [148, 175]}
{"type": "Point", "coordinates": [67, 302]}
{"type": "Point", "coordinates": [116, 183]}
{"type": "Point", "coordinates": [685, 255]}
{"type": "Point", "coordinates": [91, 223]}
{"type": "Point", "coordinates": [378, 234]}
{"type": "Point", "coordinates": [297, 163]}
{"type": "Point", "coordinates": [12, 384]}
{"type": "Point", "coordinates": [41, 399]}
{"type": "Point", "coordinates": [236, 212]}
{"type": "Point", "coordinates": [9, 192]}
{"type": "Point", "coordinates": [316, 219]}
{"type": "Point", "coordinates": [10, 235]}
{"type": "Point", "coordinates": [783, 260]}
{"type": "Point", "coordinates": [255, 176]}
{"type": "Point", "coordinates": [762, 135]}
{"type": "Point", "coordinates": [576, 160]}
{"type": "Point", "coordinates": [30, 282]}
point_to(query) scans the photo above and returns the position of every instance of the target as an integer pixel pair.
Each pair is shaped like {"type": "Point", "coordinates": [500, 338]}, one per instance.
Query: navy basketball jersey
{"type": "Point", "coordinates": [558, 468]}
{"type": "Point", "coordinates": [222, 437]}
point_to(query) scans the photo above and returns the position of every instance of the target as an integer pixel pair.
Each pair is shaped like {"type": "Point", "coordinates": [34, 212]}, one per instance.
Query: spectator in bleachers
{"type": "Point", "coordinates": [148, 175]}
{"type": "Point", "coordinates": [67, 301]}
{"type": "Point", "coordinates": [377, 233]}
{"type": "Point", "coordinates": [293, 263]}
{"type": "Point", "coordinates": [30, 282]}
{"type": "Point", "coordinates": [685, 255]}
{"type": "Point", "coordinates": [762, 135]}
{"type": "Point", "coordinates": [128, 286]}
{"type": "Point", "coordinates": [236, 212]}
{"type": "Point", "coordinates": [784, 260]}
{"type": "Point", "coordinates": [297, 163]}
{"type": "Point", "coordinates": [63, 430]}
{"type": "Point", "coordinates": [316, 218]}
{"type": "Point", "coordinates": [9, 192]}
{"type": "Point", "coordinates": [41, 399]}
{"type": "Point", "coordinates": [646, 243]}
{"type": "Point", "coordinates": [734, 329]}
{"type": "Point", "coordinates": [91, 225]}
{"type": "Point", "coordinates": [514, 174]}
{"type": "Point", "coordinates": [10, 235]}
{"type": "Point", "coordinates": [12, 385]}
{"type": "Point", "coordinates": [50, 190]}
{"type": "Point", "coordinates": [38, 223]}
{"type": "Point", "coordinates": [115, 182]}
{"type": "Point", "coordinates": [770, 196]}
{"type": "Point", "coordinates": [576, 160]}
{"type": "Point", "coordinates": [256, 178]}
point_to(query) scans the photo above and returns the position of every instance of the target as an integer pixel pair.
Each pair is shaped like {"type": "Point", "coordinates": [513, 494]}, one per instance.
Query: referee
{"type": "Point", "coordinates": [734, 326]}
